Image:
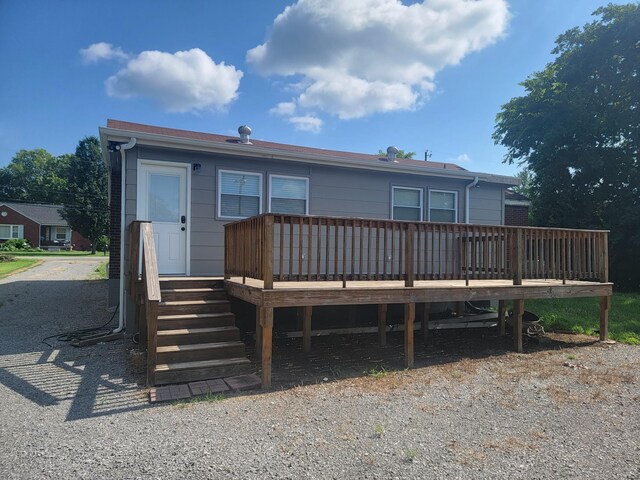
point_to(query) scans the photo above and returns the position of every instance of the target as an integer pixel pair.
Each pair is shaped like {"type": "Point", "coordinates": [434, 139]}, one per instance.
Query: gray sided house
{"type": "Point", "coordinates": [190, 184]}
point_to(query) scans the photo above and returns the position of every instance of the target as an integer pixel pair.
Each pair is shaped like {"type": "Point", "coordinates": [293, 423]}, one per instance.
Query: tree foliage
{"type": "Point", "coordinates": [86, 210]}
{"type": "Point", "coordinates": [34, 176]}
{"type": "Point", "coordinates": [577, 129]}
{"type": "Point", "coordinates": [400, 154]}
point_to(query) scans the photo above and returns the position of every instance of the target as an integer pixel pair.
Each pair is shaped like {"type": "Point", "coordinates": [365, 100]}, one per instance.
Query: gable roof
{"type": "Point", "coordinates": [41, 214]}
{"type": "Point", "coordinates": [171, 137]}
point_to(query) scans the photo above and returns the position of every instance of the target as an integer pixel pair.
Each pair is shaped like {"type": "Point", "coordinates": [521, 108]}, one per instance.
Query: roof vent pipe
{"type": "Point", "coordinates": [244, 132]}
{"type": "Point", "coordinates": [391, 154]}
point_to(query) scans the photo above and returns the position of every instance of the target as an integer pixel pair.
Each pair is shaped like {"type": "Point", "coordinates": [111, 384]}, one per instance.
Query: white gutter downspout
{"type": "Point", "coordinates": [467, 191]}
{"type": "Point", "coordinates": [123, 168]}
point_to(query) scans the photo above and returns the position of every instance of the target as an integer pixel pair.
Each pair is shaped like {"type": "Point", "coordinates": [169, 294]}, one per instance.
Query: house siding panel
{"type": "Point", "coordinates": [332, 191]}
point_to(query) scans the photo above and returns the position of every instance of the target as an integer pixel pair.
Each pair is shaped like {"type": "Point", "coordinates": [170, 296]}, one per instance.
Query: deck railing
{"type": "Point", "coordinates": [282, 248]}
{"type": "Point", "coordinates": [144, 288]}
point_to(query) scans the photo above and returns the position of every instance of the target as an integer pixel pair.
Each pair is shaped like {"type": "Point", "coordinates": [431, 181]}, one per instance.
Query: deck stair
{"type": "Point", "coordinates": [197, 335]}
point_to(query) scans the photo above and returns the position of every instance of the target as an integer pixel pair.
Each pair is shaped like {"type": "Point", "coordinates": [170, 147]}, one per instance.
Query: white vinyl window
{"type": "Point", "coordinates": [239, 194]}
{"type": "Point", "coordinates": [407, 203]}
{"type": "Point", "coordinates": [8, 232]}
{"type": "Point", "coordinates": [288, 195]}
{"type": "Point", "coordinates": [443, 206]}
{"type": "Point", "coordinates": [62, 234]}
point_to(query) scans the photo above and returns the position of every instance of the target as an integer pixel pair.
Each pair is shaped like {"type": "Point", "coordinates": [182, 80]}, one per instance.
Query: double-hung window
{"type": "Point", "coordinates": [288, 195]}
{"type": "Point", "coordinates": [443, 206]}
{"type": "Point", "coordinates": [8, 232]}
{"type": "Point", "coordinates": [407, 203]}
{"type": "Point", "coordinates": [239, 194]}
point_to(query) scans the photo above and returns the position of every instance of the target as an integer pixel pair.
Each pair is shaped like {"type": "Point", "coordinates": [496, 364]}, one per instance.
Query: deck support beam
{"type": "Point", "coordinates": [382, 324]}
{"type": "Point", "coordinates": [605, 304]}
{"type": "Point", "coordinates": [266, 322]}
{"type": "Point", "coordinates": [518, 311]}
{"type": "Point", "coordinates": [426, 307]}
{"type": "Point", "coordinates": [306, 329]}
{"type": "Point", "coordinates": [409, 318]}
{"type": "Point", "coordinates": [502, 307]}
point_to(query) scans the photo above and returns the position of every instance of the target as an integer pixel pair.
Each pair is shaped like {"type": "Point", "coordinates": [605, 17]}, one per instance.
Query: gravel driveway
{"type": "Point", "coordinates": [568, 408]}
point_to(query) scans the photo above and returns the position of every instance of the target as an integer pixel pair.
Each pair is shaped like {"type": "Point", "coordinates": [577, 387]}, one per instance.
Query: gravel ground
{"type": "Point", "coordinates": [568, 408]}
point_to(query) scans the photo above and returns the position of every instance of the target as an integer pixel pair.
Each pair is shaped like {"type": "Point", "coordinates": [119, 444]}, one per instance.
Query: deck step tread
{"type": "Point", "coordinates": [197, 346]}
{"type": "Point", "coordinates": [171, 367]}
{"type": "Point", "coordinates": [189, 279]}
{"type": "Point", "coordinates": [194, 302]}
{"type": "Point", "coordinates": [189, 316]}
{"type": "Point", "coordinates": [193, 290]}
{"type": "Point", "coordinates": [192, 331]}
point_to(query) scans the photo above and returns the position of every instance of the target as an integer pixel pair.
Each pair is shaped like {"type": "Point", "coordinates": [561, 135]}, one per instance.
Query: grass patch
{"type": "Point", "coordinates": [582, 315]}
{"type": "Point", "coordinates": [100, 273]}
{"type": "Point", "coordinates": [208, 397]}
{"type": "Point", "coordinates": [61, 253]}
{"type": "Point", "coordinates": [7, 268]}
{"type": "Point", "coordinates": [376, 372]}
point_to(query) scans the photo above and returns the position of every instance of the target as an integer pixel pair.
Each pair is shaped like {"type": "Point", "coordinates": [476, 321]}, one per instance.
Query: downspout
{"type": "Point", "coordinates": [467, 191]}
{"type": "Point", "coordinates": [122, 308]}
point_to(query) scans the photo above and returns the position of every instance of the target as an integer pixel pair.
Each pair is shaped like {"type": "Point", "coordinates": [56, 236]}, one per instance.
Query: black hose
{"type": "Point", "coordinates": [81, 334]}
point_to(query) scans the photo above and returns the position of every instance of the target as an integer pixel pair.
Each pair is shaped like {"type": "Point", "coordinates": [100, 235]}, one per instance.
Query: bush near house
{"type": "Point", "coordinates": [15, 244]}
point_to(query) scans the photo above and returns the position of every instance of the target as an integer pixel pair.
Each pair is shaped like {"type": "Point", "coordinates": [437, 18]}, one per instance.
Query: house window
{"type": "Point", "coordinates": [407, 203]}
{"type": "Point", "coordinates": [61, 234]}
{"type": "Point", "coordinates": [288, 195]}
{"type": "Point", "coordinates": [443, 206]}
{"type": "Point", "coordinates": [240, 194]}
{"type": "Point", "coordinates": [11, 231]}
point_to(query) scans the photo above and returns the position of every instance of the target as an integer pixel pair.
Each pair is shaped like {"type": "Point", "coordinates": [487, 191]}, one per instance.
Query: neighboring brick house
{"type": "Point", "coordinates": [516, 209]}
{"type": "Point", "coordinates": [41, 225]}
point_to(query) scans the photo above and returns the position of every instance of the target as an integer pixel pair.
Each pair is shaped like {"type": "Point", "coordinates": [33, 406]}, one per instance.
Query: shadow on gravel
{"type": "Point", "coordinates": [95, 380]}
{"type": "Point", "coordinates": [337, 357]}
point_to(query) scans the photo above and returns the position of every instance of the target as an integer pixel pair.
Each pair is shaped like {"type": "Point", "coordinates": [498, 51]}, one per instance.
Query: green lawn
{"type": "Point", "coordinates": [7, 268]}
{"type": "Point", "coordinates": [55, 254]}
{"type": "Point", "coordinates": [582, 315]}
{"type": "Point", "coordinates": [100, 273]}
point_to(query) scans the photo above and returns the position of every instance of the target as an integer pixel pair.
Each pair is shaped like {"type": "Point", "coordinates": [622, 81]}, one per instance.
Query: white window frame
{"type": "Point", "coordinates": [306, 180]}
{"type": "Point", "coordinates": [238, 172]}
{"type": "Point", "coordinates": [67, 236]}
{"type": "Point", "coordinates": [455, 202]}
{"type": "Point", "coordinates": [393, 205]}
{"type": "Point", "coordinates": [19, 231]}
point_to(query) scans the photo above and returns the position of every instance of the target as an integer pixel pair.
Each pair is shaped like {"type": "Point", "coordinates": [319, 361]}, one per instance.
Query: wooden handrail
{"type": "Point", "coordinates": [272, 247]}
{"type": "Point", "coordinates": [144, 286]}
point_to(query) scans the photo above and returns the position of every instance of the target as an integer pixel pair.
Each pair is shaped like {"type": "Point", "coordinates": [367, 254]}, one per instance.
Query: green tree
{"type": "Point", "coordinates": [577, 129]}
{"type": "Point", "coordinates": [400, 154]}
{"type": "Point", "coordinates": [86, 209]}
{"type": "Point", "coordinates": [34, 176]}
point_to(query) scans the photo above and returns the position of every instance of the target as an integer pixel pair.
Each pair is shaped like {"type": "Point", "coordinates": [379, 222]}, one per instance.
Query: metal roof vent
{"type": "Point", "coordinates": [244, 132]}
{"type": "Point", "coordinates": [391, 154]}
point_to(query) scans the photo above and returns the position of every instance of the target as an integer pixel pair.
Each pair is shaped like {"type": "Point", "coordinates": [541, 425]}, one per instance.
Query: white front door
{"type": "Point", "coordinates": [163, 199]}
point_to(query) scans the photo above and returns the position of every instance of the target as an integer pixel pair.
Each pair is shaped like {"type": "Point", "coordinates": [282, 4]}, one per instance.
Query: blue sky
{"type": "Point", "coordinates": [355, 75]}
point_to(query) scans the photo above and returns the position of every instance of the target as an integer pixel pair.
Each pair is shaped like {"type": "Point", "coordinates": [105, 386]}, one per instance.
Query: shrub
{"type": "Point", "coordinates": [5, 257]}
{"type": "Point", "coordinates": [102, 245]}
{"type": "Point", "coordinates": [15, 244]}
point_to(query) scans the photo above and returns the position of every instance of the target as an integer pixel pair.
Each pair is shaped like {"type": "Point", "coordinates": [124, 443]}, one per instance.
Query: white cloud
{"type": "Point", "coordinates": [361, 57]}
{"type": "Point", "coordinates": [284, 109]}
{"type": "Point", "coordinates": [463, 158]}
{"type": "Point", "coordinates": [307, 123]}
{"type": "Point", "coordinates": [179, 82]}
{"type": "Point", "coordinates": [101, 51]}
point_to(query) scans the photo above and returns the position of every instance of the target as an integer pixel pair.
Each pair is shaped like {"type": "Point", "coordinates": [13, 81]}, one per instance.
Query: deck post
{"type": "Point", "coordinates": [605, 304]}
{"type": "Point", "coordinates": [604, 272]}
{"type": "Point", "coordinates": [408, 269]}
{"type": "Point", "coordinates": [267, 254]}
{"type": "Point", "coordinates": [258, 329]}
{"type": "Point", "coordinates": [501, 315]}
{"type": "Point", "coordinates": [266, 321]}
{"type": "Point", "coordinates": [382, 324]}
{"type": "Point", "coordinates": [306, 328]}
{"type": "Point", "coordinates": [426, 307]}
{"type": "Point", "coordinates": [518, 257]}
{"type": "Point", "coordinates": [409, 318]}
{"type": "Point", "coordinates": [518, 311]}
